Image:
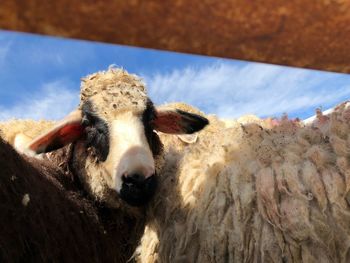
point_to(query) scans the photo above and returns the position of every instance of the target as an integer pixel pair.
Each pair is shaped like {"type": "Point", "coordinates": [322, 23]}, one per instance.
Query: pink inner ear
{"type": "Point", "coordinates": [56, 138]}
{"type": "Point", "coordinates": [66, 131]}
{"type": "Point", "coordinates": [70, 133]}
{"type": "Point", "coordinates": [168, 122]}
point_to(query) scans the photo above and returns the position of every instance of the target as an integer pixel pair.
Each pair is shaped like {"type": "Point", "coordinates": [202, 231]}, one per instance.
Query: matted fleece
{"type": "Point", "coordinates": [258, 191]}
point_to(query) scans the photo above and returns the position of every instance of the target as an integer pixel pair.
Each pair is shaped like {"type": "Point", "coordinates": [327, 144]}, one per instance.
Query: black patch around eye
{"type": "Point", "coordinates": [153, 139]}
{"type": "Point", "coordinates": [97, 132]}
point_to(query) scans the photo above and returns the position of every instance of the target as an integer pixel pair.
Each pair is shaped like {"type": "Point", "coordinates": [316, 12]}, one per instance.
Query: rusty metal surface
{"type": "Point", "coordinates": [303, 33]}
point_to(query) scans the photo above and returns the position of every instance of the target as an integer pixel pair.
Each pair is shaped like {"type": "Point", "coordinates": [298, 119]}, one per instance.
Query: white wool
{"type": "Point", "coordinates": [255, 192]}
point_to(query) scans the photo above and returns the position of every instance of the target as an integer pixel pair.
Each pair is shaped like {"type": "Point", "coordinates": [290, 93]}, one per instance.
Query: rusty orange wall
{"type": "Point", "coordinates": [304, 33]}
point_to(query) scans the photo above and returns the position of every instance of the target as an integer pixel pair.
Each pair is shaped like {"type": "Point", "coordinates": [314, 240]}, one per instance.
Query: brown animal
{"type": "Point", "coordinates": [46, 216]}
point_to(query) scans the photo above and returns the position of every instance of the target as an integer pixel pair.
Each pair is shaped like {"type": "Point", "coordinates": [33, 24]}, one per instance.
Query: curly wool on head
{"type": "Point", "coordinates": [116, 90]}
{"type": "Point", "coordinates": [108, 81]}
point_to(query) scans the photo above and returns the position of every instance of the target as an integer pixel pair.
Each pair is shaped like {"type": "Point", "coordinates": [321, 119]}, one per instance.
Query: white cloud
{"type": "Point", "coordinates": [230, 90]}
{"type": "Point", "coordinates": [4, 50]}
{"type": "Point", "coordinates": [52, 102]}
{"type": "Point", "coordinates": [225, 89]}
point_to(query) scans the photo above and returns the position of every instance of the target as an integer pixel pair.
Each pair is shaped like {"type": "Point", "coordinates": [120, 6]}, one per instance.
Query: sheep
{"type": "Point", "coordinates": [264, 191]}
{"type": "Point", "coordinates": [103, 160]}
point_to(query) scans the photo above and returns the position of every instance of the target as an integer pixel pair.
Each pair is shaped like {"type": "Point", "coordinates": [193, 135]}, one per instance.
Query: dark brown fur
{"type": "Point", "coordinates": [60, 223]}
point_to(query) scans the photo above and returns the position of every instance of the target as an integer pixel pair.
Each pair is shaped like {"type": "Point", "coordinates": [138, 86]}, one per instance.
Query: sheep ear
{"type": "Point", "coordinates": [176, 121]}
{"type": "Point", "coordinates": [66, 131]}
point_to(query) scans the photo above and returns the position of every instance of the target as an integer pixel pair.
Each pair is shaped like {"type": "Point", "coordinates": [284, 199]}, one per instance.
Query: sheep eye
{"type": "Point", "coordinates": [96, 130]}
{"type": "Point", "coordinates": [85, 121]}
{"type": "Point", "coordinates": [97, 137]}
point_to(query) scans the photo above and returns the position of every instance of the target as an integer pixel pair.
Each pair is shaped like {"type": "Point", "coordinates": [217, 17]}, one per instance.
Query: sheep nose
{"type": "Point", "coordinates": [138, 174]}
{"type": "Point", "coordinates": [137, 190]}
{"type": "Point", "coordinates": [134, 179]}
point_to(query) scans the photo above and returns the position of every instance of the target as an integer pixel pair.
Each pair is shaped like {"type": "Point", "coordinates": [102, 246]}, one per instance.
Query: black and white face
{"type": "Point", "coordinates": [126, 147]}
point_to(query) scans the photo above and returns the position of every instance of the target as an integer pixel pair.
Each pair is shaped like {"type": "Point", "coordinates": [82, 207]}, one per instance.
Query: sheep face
{"type": "Point", "coordinates": [116, 149]}
{"type": "Point", "coordinates": [120, 149]}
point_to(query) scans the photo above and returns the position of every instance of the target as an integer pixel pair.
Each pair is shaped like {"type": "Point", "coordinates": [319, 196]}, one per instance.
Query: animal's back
{"type": "Point", "coordinates": [47, 217]}
{"type": "Point", "coordinates": [19, 133]}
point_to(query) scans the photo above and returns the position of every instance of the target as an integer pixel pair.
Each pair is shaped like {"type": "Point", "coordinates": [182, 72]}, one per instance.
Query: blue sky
{"type": "Point", "coordinates": [40, 79]}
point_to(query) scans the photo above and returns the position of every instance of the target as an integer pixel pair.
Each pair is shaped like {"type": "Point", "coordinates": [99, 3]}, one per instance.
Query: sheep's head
{"type": "Point", "coordinates": [115, 144]}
